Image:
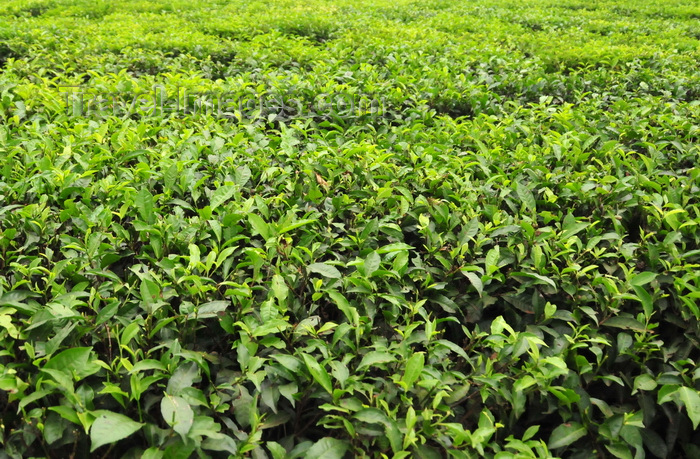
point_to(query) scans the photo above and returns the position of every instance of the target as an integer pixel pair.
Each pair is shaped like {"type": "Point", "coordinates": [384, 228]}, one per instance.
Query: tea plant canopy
{"type": "Point", "coordinates": [286, 229]}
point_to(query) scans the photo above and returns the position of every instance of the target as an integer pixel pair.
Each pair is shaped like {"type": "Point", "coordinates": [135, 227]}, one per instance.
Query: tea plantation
{"type": "Point", "coordinates": [351, 228]}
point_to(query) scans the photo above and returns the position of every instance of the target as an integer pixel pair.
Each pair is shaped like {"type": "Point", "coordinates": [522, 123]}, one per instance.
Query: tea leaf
{"type": "Point", "coordinates": [221, 195]}
{"type": "Point", "coordinates": [691, 400]}
{"type": "Point", "coordinates": [318, 373]}
{"type": "Point", "coordinates": [144, 204]}
{"type": "Point", "coordinates": [566, 434]}
{"type": "Point", "coordinates": [110, 427]}
{"type": "Point", "coordinates": [414, 367]}
{"type": "Point", "coordinates": [327, 448]}
{"type": "Point", "coordinates": [325, 270]}
{"type": "Point", "coordinates": [177, 413]}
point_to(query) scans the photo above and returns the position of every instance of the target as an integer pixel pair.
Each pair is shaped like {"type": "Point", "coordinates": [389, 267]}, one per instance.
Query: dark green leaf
{"type": "Point", "coordinates": [325, 270]}
{"type": "Point", "coordinates": [625, 323]}
{"type": "Point", "coordinates": [566, 434]}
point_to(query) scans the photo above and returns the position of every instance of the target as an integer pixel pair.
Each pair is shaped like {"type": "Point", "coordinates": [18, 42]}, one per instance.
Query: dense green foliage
{"type": "Point", "coordinates": [499, 258]}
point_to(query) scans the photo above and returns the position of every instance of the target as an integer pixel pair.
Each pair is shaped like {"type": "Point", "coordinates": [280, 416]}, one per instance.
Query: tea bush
{"type": "Point", "coordinates": [349, 229]}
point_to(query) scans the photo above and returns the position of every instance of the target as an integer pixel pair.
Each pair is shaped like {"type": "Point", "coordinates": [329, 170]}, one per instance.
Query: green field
{"type": "Point", "coordinates": [336, 229]}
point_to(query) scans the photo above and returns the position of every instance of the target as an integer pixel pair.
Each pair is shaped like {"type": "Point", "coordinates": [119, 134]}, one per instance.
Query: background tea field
{"type": "Point", "coordinates": [415, 229]}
